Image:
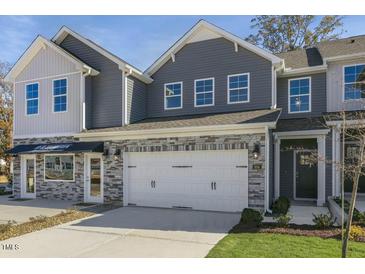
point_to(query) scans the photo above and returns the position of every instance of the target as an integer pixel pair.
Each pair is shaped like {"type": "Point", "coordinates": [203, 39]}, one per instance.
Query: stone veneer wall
{"type": "Point", "coordinates": [256, 178]}
{"type": "Point", "coordinates": [113, 166]}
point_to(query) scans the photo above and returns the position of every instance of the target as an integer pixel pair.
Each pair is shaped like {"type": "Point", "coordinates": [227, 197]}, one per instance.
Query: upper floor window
{"type": "Point", "coordinates": [204, 92]}
{"type": "Point", "coordinates": [173, 95]}
{"type": "Point", "coordinates": [60, 95]}
{"type": "Point", "coordinates": [32, 98]}
{"type": "Point", "coordinates": [299, 95]}
{"type": "Point", "coordinates": [238, 88]}
{"type": "Point", "coordinates": [354, 82]}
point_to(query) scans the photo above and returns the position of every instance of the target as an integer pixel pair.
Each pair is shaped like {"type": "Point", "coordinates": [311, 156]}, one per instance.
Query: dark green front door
{"type": "Point", "coordinates": [305, 176]}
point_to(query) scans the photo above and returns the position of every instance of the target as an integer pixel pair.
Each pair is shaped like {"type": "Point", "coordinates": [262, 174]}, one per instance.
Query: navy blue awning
{"type": "Point", "coordinates": [57, 148]}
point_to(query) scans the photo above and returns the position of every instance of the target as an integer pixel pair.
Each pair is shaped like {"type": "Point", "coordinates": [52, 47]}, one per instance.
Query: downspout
{"type": "Point", "coordinates": [267, 171]}
{"type": "Point", "coordinates": [82, 97]}
{"type": "Point", "coordinates": [125, 96]}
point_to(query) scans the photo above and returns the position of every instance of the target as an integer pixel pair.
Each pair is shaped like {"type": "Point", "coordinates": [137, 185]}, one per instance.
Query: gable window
{"type": "Point", "coordinates": [32, 98]}
{"type": "Point", "coordinates": [60, 95]}
{"type": "Point", "coordinates": [204, 92]}
{"type": "Point", "coordinates": [354, 82]}
{"type": "Point", "coordinates": [173, 95]}
{"type": "Point", "coordinates": [59, 168]}
{"type": "Point", "coordinates": [238, 88]}
{"type": "Point", "coordinates": [300, 95]}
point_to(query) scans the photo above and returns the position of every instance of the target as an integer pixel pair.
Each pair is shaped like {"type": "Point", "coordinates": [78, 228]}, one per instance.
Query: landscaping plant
{"type": "Point", "coordinates": [356, 233]}
{"type": "Point", "coordinates": [283, 220]}
{"type": "Point", "coordinates": [281, 206]}
{"type": "Point", "coordinates": [323, 221]}
{"type": "Point", "coordinates": [251, 217]}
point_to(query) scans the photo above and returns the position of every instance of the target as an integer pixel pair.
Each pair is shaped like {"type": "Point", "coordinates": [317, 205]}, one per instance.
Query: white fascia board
{"type": "Point", "coordinates": [179, 132]}
{"type": "Point", "coordinates": [301, 133]}
{"type": "Point", "coordinates": [307, 70]}
{"type": "Point", "coordinates": [64, 31]}
{"type": "Point", "coordinates": [203, 24]}
{"type": "Point", "coordinates": [348, 122]}
{"type": "Point", "coordinates": [39, 43]}
{"type": "Point", "coordinates": [344, 57]}
{"type": "Point", "coordinates": [46, 135]}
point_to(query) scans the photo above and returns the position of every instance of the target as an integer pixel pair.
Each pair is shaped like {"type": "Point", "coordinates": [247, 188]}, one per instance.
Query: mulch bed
{"type": "Point", "coordinates": [40, 222]}
{"type": "Point", "coordinates": [292, 229]}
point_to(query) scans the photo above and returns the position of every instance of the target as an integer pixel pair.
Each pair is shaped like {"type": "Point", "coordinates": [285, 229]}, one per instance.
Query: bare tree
{"type": "Point", "coordinates": [352, 164]}
{"type": "Point", "coordinates": [6, 115]}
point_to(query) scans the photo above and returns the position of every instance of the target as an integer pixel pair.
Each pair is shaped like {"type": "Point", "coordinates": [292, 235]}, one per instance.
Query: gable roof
{"type": "Point", "coordinates": [325, 51]}
{"type": "Point", "coordinates": [214, 32]}
{"type": "Point", "coordinates": [123, 65]}
{"type": "Point", "coordinates": [38, 43]}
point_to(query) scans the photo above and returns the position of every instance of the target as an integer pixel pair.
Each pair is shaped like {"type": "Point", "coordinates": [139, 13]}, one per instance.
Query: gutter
{"type": "Point", "coordinates": [293, 72]}
{"type": "Point", "coordinates": [125, 134]}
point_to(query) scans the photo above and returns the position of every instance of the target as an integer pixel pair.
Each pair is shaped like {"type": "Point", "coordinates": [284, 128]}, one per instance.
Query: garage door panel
{"type": "Point", "coordinates": [185, 179]}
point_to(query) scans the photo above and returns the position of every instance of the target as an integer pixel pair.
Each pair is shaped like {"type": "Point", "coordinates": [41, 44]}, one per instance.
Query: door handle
{"type": "Point", "coordinates": [154, 184]}
{"type": "Point", "coordinates": [215, 186]}
{"type": "Point", "coordinates": [151, 183]}
{"type": "Point", "coordinates": [211, 185]}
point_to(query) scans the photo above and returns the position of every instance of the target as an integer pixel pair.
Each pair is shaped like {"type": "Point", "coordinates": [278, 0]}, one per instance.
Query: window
{"type": "Point", "coordinates": [173, 95]}
{"type": "Point", "coordinates": [32, 97]}
{"type": "Point", "coordinates": [59, 168]}
{"type": "Point", "coordinates": [204, 92]}
{"type": "Point", "coordinates": [60, 95]}
{"type": "Point", "coordinates": [299, 95]}
{"type": "Point", "coordinates": [238, 88]}
{"type": "Point", "coordinates": [354, 82]}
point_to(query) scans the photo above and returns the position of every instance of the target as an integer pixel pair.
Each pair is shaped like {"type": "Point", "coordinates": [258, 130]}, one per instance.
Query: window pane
{"type": "Point", "coordinates": [59, 167]}
{"type": "Point", "coordinates": [32, 106]}
{"type": "Point", "coordinates": [174, 89]}
{"type": "Point", "coordinates": [60, 87]}
{"type": "Point", "coordinates": [32, 91]}
{"type": "Point", "coordinates": [238, 95]}
{"type": "Point", "coordinates": [350, 70]}
{"type": "Point", "coordinates": [299, 103]}
{"type": "Point", "coordinates": [173, 102]}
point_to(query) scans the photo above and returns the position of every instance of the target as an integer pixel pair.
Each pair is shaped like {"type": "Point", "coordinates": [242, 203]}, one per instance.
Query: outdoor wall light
{"type": "Point", "coordinates": [117, 154]}
{"type": "Point", "coordinates": [106, 152]}
{"type": "Point", "coordinates": [256, 151]}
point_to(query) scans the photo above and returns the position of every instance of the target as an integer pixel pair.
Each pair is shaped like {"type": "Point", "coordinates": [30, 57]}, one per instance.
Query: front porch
{"type": "Point", "coordinates": [300, 166]}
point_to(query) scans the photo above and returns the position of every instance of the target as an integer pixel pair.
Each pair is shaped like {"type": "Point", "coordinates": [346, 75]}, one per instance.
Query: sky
{"type": "Point", "coordinates": [139, 40]}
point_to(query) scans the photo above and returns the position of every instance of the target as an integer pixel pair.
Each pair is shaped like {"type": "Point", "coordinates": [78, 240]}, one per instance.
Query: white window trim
{"type": "Point", "coordinates": [229, 89]}
{"type": "Point", "coordinates": [53, 96]}
{"type": "Point", "coordinates": [58, 154]}
{"type": "Point", "coordinates": [181, 96]}
{"type": "Point", "coordinates": [26, 100]}
{"type": "Point", "coordinates": [343, 84]}
{"type": "Point", "coordinates": [213, 91]}
{"type": "Point", "coordinates": [310, 95]}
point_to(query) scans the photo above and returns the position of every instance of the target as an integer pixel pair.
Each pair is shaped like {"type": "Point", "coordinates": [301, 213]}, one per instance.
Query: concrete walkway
{"type": "Point", "coordinates": [21, 211]}
{"type": "Point", "coordinates": [302, 215]}
{"type": "Point", "coordinates": [129, 232]}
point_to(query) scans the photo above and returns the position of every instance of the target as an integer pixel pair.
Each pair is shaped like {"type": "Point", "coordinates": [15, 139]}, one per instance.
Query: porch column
{"type": "Point", "coordinates": [277, 167]}
{"type": "Point", "coordinates": [321, 199]}
{"type": "Point", "coordinates": [337, 144]}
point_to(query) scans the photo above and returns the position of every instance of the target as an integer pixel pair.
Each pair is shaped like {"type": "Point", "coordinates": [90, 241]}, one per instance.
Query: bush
{"type": "Point", "coordinates": [38, 219]}
{"type": "Point", "coordinates": [281, 206]}
{"type": "Point", "coordinates": [356, 233]}
{"type": "Point", "coordinates": [323, 220]}
{"type": "Point", "coordinates": [7, 226]}
{"type": "Point", "coordinates": [251, 217]}
{"type": "Point", "coordinates": [283, 220]}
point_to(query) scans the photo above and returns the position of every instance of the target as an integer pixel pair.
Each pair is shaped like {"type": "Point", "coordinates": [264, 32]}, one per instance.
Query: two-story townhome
{"type": "Point", "coordinates": [215, 123]}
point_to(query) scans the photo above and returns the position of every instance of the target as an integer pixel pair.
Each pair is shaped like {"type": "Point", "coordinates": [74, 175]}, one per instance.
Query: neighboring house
{"type": "Point", "coordinates": [215, 123]}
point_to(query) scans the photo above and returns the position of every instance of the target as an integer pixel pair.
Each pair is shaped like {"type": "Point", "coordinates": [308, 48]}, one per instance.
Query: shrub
{"type": "Point", "coordinates": [283, 220]}
{"type": "Point", "coordinates": [323, 220]}
{"type": "Point", "coordinates": [281, 206]}
{"type": "Point", "coordinates": [40, 218]}
{"type": "Point", "coordinates": [251, 217]}
{"type": "Point", "coordinates": [356, 232]}
{"type": "Point", "coordinates": [7, 226]}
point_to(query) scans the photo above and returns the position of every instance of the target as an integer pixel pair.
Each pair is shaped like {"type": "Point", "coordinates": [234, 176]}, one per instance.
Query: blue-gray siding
{"type": "Point", "coordinates": [136, 99]}
{"type": "Point", "coordinates": [106, 96]}
{"type": "Point", "coordinates": [318, 95]}
{"type": "Point", "coordinates": [211, 58]}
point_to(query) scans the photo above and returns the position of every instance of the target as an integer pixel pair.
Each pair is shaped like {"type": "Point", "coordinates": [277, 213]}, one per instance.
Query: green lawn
{"type": "Point", "coordinates": [268, 245]}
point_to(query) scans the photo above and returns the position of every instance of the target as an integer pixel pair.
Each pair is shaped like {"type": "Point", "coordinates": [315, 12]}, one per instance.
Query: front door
{"type": "Point", "coordinates": [305, 181]}
{"type": "Point", "coordinates": [94, 178]}
{"type": "Point", "coordinates": [28, 176]}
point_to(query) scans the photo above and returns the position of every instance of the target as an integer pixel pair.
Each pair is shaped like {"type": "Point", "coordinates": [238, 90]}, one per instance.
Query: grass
{"type": "Point", "coordinates": [11, 229]}
{"type": "Point", "coordinates": [270, 245]}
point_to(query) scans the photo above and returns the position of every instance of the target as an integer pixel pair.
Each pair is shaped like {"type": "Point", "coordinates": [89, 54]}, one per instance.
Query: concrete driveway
{"type": "Point", "coordinates": [21, 211]}
{"type": "Point", "coordinates": [129, 232]}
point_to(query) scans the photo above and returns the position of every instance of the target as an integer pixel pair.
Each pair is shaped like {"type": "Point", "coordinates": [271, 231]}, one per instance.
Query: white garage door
{"type": "Point", "coordinates": [206, 180]}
